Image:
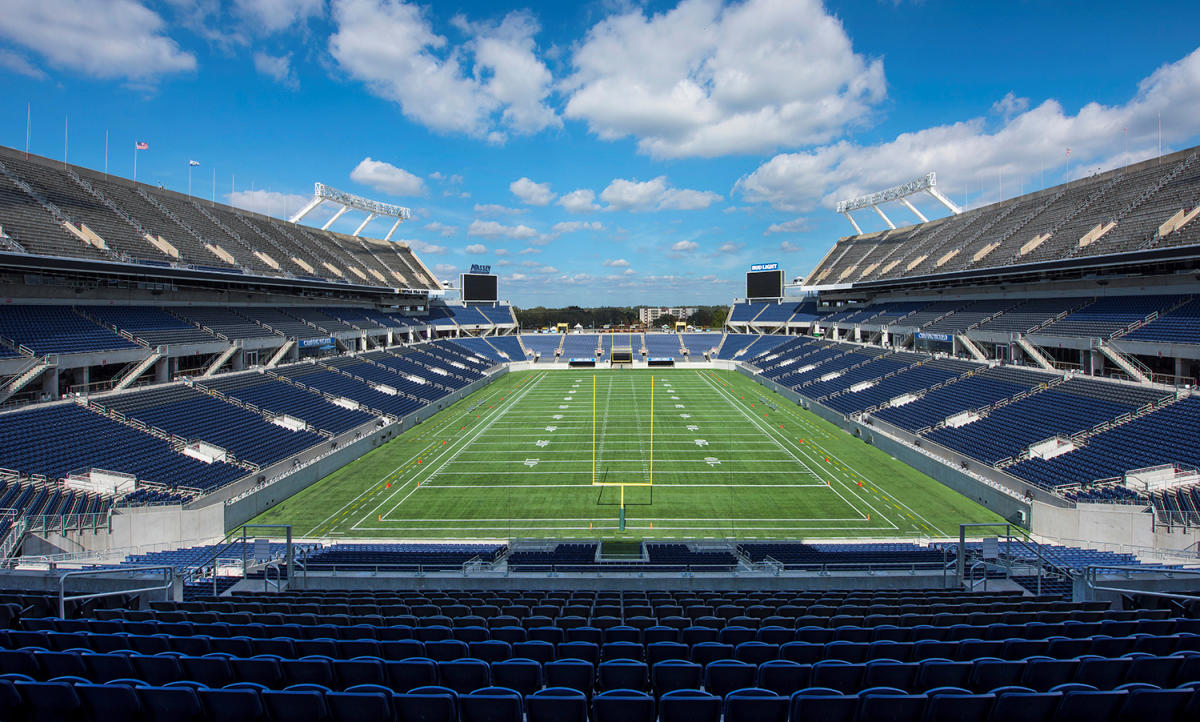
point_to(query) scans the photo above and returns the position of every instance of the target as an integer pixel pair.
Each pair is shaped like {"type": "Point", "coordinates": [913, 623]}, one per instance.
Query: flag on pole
{"type": "Point", "coordinates": [193, 163]}
{"type": "Point", "coordinates": [141, 145]}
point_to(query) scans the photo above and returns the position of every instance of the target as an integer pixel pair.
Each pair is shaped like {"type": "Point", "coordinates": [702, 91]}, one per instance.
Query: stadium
{"type": "Point", "coordinates": [257, 468]}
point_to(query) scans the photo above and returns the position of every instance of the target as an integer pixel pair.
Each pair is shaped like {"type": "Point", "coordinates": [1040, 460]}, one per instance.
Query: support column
{"type": "Point", "coordinates": [83, 377]}
{"type": "Point", "coordinates": [1096, 367]}
{"type": "Point", "coordinates": [50, 382]}
{"type": "Point", "coordinates": [162, 371]}
{"type": "Point", "coordinates": [238, 360]}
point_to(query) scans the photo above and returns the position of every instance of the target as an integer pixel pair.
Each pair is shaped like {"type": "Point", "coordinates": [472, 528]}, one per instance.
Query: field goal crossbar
{"type": "Point", "coordinates": [622, 484]}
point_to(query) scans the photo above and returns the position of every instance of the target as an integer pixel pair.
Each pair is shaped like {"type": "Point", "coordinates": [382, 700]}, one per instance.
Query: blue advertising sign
{"type": "Point", "coordinates": [764, 266]}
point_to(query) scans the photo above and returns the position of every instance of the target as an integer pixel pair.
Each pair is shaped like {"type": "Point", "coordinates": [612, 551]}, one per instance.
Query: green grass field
{"type": "Point", "coordinates": [523, 458]}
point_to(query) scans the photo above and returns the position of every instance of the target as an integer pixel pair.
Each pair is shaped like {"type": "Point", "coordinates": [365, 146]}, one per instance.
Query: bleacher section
{"type": "Point", "coordinates": [543, 345]}
{"type": "Point", "coordinates": [735, 342]}
{"type": "Point", "coordinates": [193, 415]}
{"type": "Point", "coordinates": [580, 345]}
{"type": "Point", "coordinates": [1068, 221]}
{"type": "Point", "coordinates": [623, 654]}
{"type": "Point", "coordinates": [38, 195]}
{"type": "Point", "coordinates": [508, 345]}
{"type": "Point", "coordinates": [151, 325]}
{"type": "Point", "coordinates": [698, 343]}
{"type": "Point", "coordinates": [1164, 436]}
{"type": "Point", "coordinates": [56, 329]}
{"type": "Point", "coordinates": [972, 392]}
{"type": "Point", "coordinates": [663, 345]}
{"type": "Point", "coordinates": [1064, 409]}
{"type": "Point", "coordinates": [498, 315]}
{"type": "Point", "coordinates": [58, 440]}
{"type": "Point", "coordinates": [276, 397]}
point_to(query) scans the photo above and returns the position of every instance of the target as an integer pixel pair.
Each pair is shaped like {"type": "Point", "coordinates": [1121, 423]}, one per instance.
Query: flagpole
{"type": "Point", "coordinates": [28, 117]}
{"type": "Point", "coordinates": [135, 162]}
{"type": "Point", "coordinates": [189, 179]}
{"type": "Point", "coordinates": [66, 128]}
{"type": "Point", "coordinates": [106, 152]}
{"type": "Point", "coordinates": [214, 197]}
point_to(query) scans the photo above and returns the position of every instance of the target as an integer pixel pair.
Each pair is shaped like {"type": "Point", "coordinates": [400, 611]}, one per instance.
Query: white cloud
{"type": "Point", "coordinates": [730, 247]}
{"type": "Point", "coordinates": [573, 226]}
{"type": "Point", "coordinates": [491, 85]}
{"type": "Point", "coordinates": [495, 209]}
{"type": "Point", "coordinates": [579, 201]}
{"type": "Point", "coordinates": [516, 77]}
{"type": "Point", "coordinates": [124, 39]}
{"type": "Point", "coordinates": [268, 203]}
{"type": "Point", "coordinates": [494, 229]}
{"type": "Point", "coordinates": [789, 247]}
{"type": "Point", "coordinates": [441, 228]}
{"type": "Point", "coordinates": [271, 16]}
{"type": "Point", "coordinates": [14, 63]}
{"type": "Point", "coordinates": [969, 153]}
{"type": "Point", "coordinates": [427, 248]}
{"type": "Point", "coordinates": [684, 246]}
{"type": "Point", "coordinates": [527, 251]}
{"type": "Point", "coordinates": [1010, 105]}
{"type": "Point", "coordinates": [476, 248]}
{"type": "Point", "coordinates": [444, 268]}
{"type": "Point", "coordinates": [546, 269]}
{"type": "Point", "coordinates": [387, 178]}
{"type": "Point", "coordinates": [278, 69]}
{"type": "Point", "coordinates": [616, 263]}
{"type": "Point", "coordinates": [518, 277]}
{"type": "Point", "coordinates": [709, 79]}
{"type": "Point", "coordinates": [796, 225]}
{"type": "Point", "coordinates": [627, 195]}
{"type": "Point", "coordinates": [530, 193]}
{"type": "Point", "coordinates": [629, 272]}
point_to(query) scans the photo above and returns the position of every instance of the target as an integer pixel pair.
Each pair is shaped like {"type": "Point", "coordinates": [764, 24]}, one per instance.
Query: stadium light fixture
{"type": "Point", "coordinates": [925, 184]}
{"type": "Point", "coordinates": [348, 201]}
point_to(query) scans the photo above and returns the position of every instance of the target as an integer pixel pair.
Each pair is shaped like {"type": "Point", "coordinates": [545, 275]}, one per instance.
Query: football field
{"type": "Point", "coordinates": [688, 454]}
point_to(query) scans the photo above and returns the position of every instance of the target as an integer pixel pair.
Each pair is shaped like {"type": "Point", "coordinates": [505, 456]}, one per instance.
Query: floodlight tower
{"type": "Point", "coordinates": [348, 201]}
{"type": "Point", "coordinates": [925, 184]}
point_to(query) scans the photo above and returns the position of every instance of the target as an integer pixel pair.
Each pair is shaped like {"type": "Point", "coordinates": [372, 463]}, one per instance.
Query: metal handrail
{"type": "Point", "coordinates": [1092, 571]}
{"type": "Point", "coordinates": [63, 597]}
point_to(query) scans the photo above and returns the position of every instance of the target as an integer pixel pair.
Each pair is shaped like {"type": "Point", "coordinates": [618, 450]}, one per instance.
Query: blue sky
{"type": "Point", "coordinates": [605, 152]}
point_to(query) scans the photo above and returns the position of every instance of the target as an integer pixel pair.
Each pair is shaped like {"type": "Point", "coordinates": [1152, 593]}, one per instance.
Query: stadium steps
{"type": "Point", "coordinates": [1129, 364]}
{"type": "Point", "coordinates": [973, 349]}
{"type": "Point", "coordinates": [209, 246]}
{"type": "Point", "coordinates": [22, 378]}
{"type": "Point", "coordinates": [135, 370]}
{"type": "Point", "coordinates": [1035, 353]}
{"type": "Point", "coordinates": [219, 361]}
{"type": "Point", "coordinates": [280, 352]}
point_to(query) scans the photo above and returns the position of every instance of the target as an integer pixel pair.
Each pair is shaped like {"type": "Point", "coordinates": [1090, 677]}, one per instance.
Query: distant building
{"type": "Point", "coordinates": [650, 314]}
